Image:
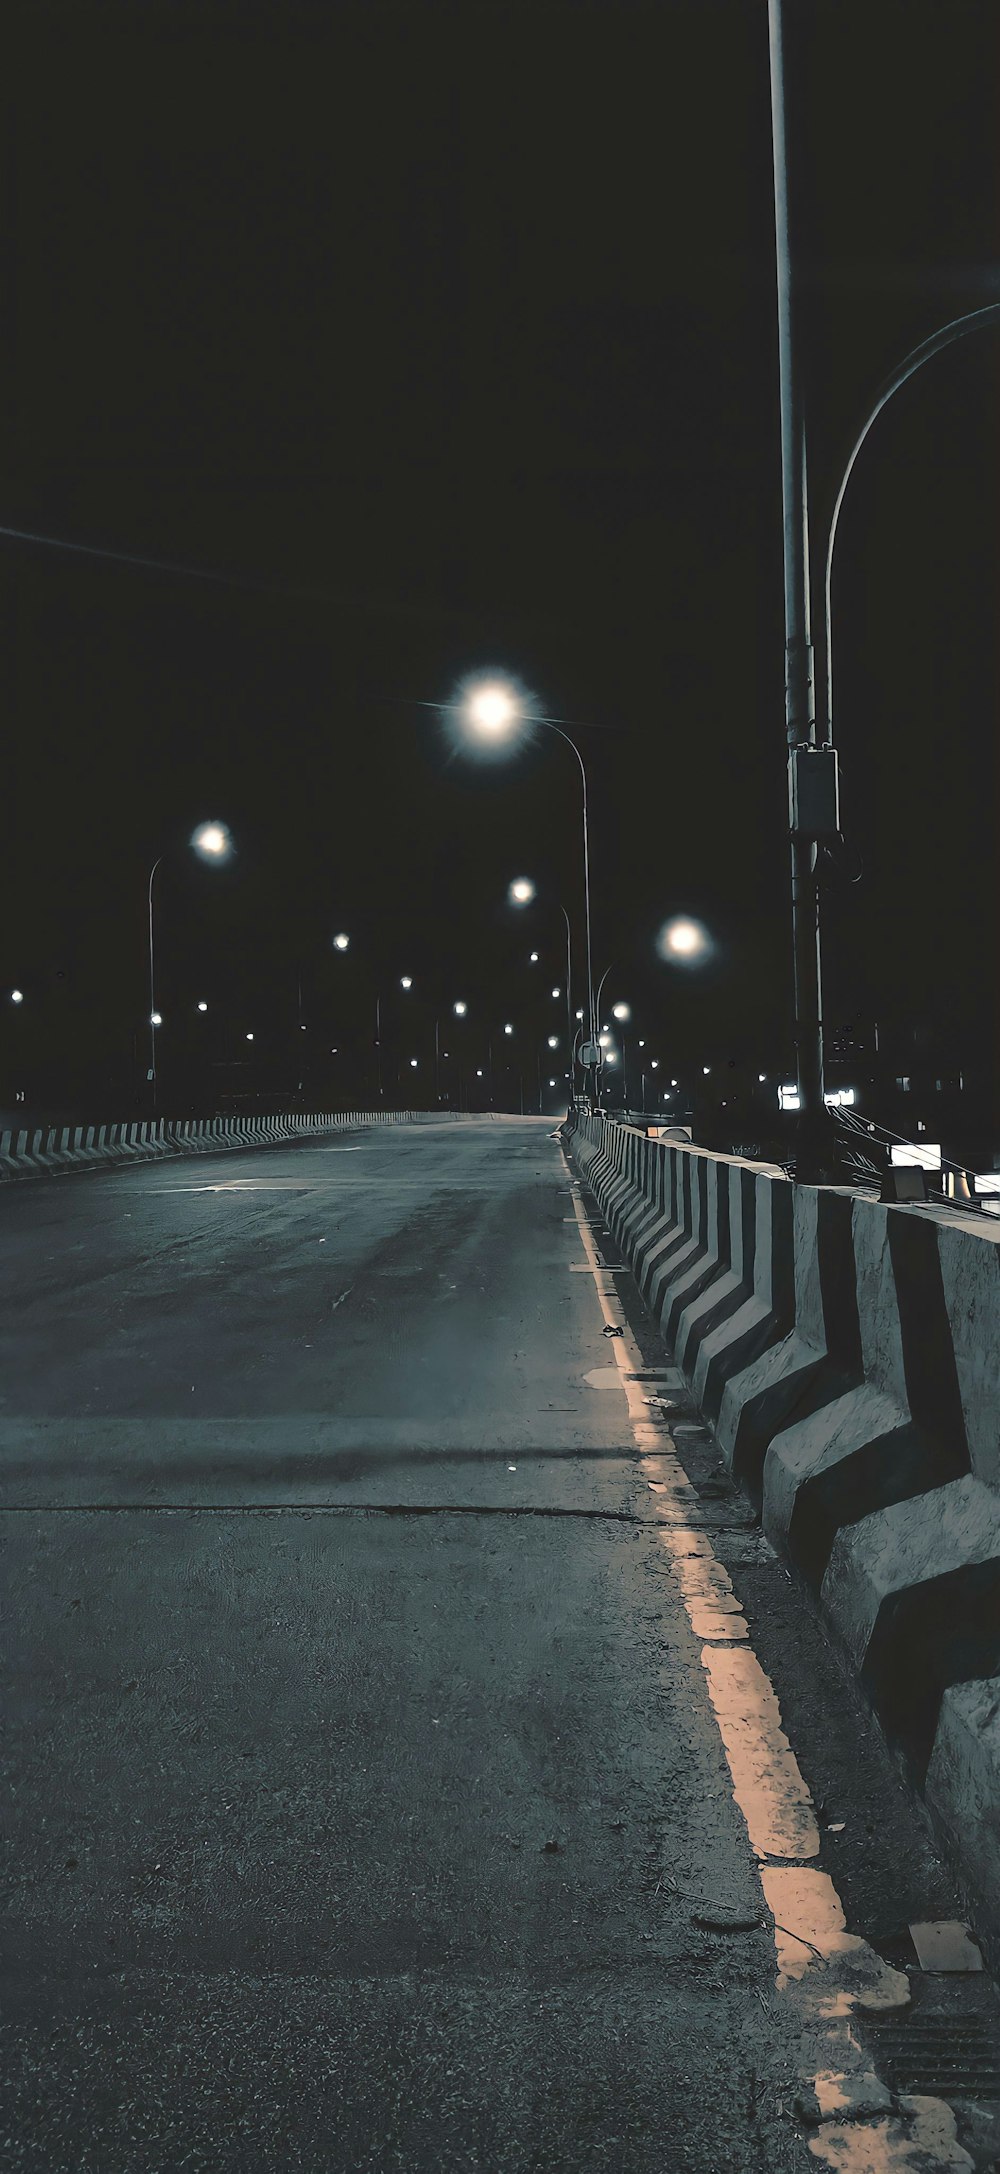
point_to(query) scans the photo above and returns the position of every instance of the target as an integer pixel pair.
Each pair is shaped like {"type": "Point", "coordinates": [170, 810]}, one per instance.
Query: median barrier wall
{"type": "Point", "coordinates": [847, 1354]}
{"type": "Point", "coordinates": [59, 1148]}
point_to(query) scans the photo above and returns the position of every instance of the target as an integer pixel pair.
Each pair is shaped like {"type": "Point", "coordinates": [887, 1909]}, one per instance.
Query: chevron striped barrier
{"type": "Point", "coordinates": [56, 1149]}
{"type": "Point", "coordinates": [846, 1354]}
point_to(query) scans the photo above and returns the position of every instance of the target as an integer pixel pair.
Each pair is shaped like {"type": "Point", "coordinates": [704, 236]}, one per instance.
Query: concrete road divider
{"type": "Point", "coordinates": [56, 1149]}
{"type": "Point", "coordinates": [847, 1354]}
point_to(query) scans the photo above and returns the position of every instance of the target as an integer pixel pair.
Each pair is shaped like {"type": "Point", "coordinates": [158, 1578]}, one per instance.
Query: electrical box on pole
{"type": "Point", "coordinates": [813, 792]}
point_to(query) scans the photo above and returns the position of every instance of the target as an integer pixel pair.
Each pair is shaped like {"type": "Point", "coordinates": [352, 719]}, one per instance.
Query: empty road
{"type": "Point", "coordinates": [366, 1804]}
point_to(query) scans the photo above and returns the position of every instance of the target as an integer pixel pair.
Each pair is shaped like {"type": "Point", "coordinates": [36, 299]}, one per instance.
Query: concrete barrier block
{"type": "Point", "coordinates": [970, 1282]}
{"type": "Point", "coordinates": [914, 1592]}
{"type": "Point", "coordinates": [695, 1298]}
{"type": "Point", "coordinates": [853, 1455]}
{"type": "Point", "coordinates": [963, 1780]}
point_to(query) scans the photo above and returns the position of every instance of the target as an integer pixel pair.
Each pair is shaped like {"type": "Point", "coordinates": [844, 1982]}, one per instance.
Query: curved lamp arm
{"type": "Point", "coordinates": [977, 320]}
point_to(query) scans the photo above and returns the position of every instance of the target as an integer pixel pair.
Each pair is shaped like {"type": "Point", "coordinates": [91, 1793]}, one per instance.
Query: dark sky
{"type": "Point", "coordinates": [447, 333]}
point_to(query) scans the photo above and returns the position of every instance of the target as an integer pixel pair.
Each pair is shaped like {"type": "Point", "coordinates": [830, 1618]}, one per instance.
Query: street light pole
{"type": "Point", "coordinates": [152, 986]}
{"type": "Point", "coordinates": [586, 873]}
{"type": "Point", "coordinates": [800, 709]}
{"type": "Point", "coordinates": [980, 320]}
{"type": "Point", "coordinates": [569, 997]}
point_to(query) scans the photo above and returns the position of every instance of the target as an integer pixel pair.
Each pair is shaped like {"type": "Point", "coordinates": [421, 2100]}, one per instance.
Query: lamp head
{"type": "Point", "coordinates": [212, 842]}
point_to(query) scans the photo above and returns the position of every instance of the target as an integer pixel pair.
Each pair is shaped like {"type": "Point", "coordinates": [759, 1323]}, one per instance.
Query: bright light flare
{"type": "Point", "coordinates": [490, 712]}
{"type": "Point", "coordinates": [683, 941]}
{"type": "Point", "coordinates": [212, 841]}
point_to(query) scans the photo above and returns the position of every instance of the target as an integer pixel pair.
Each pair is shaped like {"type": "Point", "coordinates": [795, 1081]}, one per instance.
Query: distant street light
{"type": "Point", "coordinates": [492, 706]}
{"type": "Point", "coordinates": [413, 1064]}
{"type": "Point", "coordinates": [622, 1011]}
{"type": "Point", "coordinates": [654, 1064]}
{"type": "Point", "coordinates": [522, 891]}
{"type": "Point", "coordinates": [341, 942]}
{"type": "Point", "coordinates": [683, 940]}
{"type": "Point", "coordinates": [249, 1037]}
{"type": "Point", "coordinates": [553, 1041]}
{"type": "Point", "coordinates": [17, 996]}
{"type": "Point", "coordinates": [706, 1068]}
{"type": "Point", "coordinates": [508, 1030]}
{"type": "Point", "coordinates": [533, 958]}
{"type": "Point", "coordinates": [460, 1009]}
{"type": "Point", "coordinates": [406, 981]}
{"type": "Point", "coordinates": [557, 992]}
{"type": "Point", "coordinates": [212, 842]}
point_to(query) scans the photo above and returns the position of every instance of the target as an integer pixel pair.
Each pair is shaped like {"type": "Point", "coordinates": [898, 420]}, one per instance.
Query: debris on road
{"type": "Point", "coordinates": [945, 1946]}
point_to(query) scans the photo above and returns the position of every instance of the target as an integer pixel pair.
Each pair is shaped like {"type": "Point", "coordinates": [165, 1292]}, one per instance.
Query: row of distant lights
{"type": "Point", "coordinates": [788, 1096]}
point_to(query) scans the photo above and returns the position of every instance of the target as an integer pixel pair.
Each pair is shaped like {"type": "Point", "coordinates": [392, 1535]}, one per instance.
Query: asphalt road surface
{"type": "Point", "coordinates": [363, 1785]}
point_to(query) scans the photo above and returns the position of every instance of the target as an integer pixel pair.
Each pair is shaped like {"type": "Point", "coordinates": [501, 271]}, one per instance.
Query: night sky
{"type": "Point", "coordinates": [445, 336]}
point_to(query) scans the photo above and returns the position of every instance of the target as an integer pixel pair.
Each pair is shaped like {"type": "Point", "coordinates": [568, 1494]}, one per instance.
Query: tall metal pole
{"type": "Point", "coordinates": [378, 1042]}
{"type": "Point", "coordinates": [569, 999]}
{"type": "Point", "coordinates": [800, 707]}
{"type": "Point", "coordinates": [586, 875]}
{"type": "Point", "coordinates": [152, 986]}
{"type": "Point", "coordinates": [437, 1061]}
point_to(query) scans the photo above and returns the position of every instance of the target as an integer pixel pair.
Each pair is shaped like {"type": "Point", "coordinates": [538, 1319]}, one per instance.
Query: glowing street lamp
{"type": "Point", "coordinates": [460, 1009]}
{"type": "Point", "coordinates": [17, 996]}
{"type": "Point", "coordinates": [553, 1041]}
{"type": "Point", "coordinates": [491, 710]}
{"type": "Point", "coordinates": [508, 1030]}
{"type": "Point", "coordinates": [203, 1007]}
{"type": "Point", "coordinates": [211, 842]}
{"type": "Point", "coordinates": [249, 1037]}
{"type": "Point", "coordinates": [341, 942]}
{"type": "Point", "coordinates": [622, 1011]}
{"type": "Point", "coordinates": [522, 891]}
{"type": "Point", "coordinates": [683, 941]}
{"type": "Point", "coordinates": [406, 981]}
{"type": "Point", "coordinates": [493, 706]}
{"type": "Point", "coordinates": [533, 958]}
